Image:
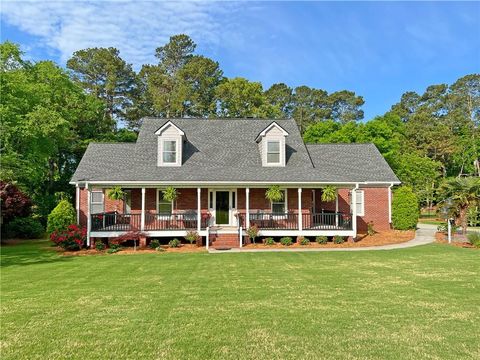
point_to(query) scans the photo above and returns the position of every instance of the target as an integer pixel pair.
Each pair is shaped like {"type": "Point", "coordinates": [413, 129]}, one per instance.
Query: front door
{"type": "Point", "coordinates": [222, 207]}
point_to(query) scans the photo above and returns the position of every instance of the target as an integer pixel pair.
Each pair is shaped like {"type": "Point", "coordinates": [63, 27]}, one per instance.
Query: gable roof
{"type": "Point", "coordinates": [265, 131]}
{"type": "Point", "coordinates": [225, 150]}
{"type": "Point", "coordinates": [166, 125]}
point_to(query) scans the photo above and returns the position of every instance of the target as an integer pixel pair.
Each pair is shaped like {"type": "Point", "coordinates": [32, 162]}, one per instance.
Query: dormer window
{"type": "Point", "coordinates": [169, 151]}
{"type": "Point", "coordinates": [273, 152]}
{"type": "Point", "coordinates": [272, 145]}
{"type": "Point", "coordinates": [170, 140]}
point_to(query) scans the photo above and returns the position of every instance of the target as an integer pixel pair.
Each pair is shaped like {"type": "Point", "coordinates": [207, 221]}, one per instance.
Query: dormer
{"type": "Point", "coordinates": [170, 144]}
{"type": "Point", "coordinates": [272, 145]}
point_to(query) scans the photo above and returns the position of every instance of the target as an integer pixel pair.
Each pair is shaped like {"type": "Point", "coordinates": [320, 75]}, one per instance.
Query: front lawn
{"type": "Point", "coordinates": [418, 303]}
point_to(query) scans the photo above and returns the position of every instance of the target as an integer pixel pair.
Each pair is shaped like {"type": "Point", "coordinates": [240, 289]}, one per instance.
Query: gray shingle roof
{"type": "Point", "coordinates": [225, 150]}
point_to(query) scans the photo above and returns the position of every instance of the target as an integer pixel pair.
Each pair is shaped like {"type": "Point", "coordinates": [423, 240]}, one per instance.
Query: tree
{"type": "Point", "coordinates": [61, 217]}
{"type": "Point", "coordinates": [310, 105]}
{"type": "Point", "coordinates": [104, 74]}
{"type": "Point", "coordinates": [405, 209]}
{"type": "Point", "coordinates": [281, 97]}
{"type": "Point", "coordinates": [345, 106]}
{"type": "Point", "coordinates": [461, 194]}
{"type": "Point", "coordinates": [14, 203]}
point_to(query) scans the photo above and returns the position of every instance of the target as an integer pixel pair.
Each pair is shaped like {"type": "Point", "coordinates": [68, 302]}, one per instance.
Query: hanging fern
{"type": "Point", "coordinates": [170, 194]}
{"type": "Point", "coordinates": [274, 193]}
{"type": "Point", "coordinates": [329, 193]}
{"type": "Point", "coordinates": [115, 193]}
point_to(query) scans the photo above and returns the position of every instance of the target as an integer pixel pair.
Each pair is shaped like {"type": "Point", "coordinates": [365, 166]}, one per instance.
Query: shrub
{"type": "Point", "coordinates": [14, 203]}
{"type": "Point", "coordinates": [61, 217]}
{"type": "Point", "coordinates": [71, 239]}
{"type": "Point", "coordinates": [114, 248]}
{"type": "Point", "coordinates": [174, 243]}
{"type": "Point", "coordinates": [160, 249]}
{"type": "Point", "coordinates": [474, 239]}
{"type": "Point", "coordinates": [370, 230]}
{"type": "Point", "coordinates": [192, 236]}
{"type": "Point", "coordinates": [24, 228]}
{"type": "Point", "coordinates": [154, 244]}
{"type": "Point", "coordinates": [134, 236]}
{"type": "Point", "coordinates": [252, 232]}
{"type": "Point", "coordinates": [321, 239]}
{"type": "Point", "coordinates": [405, 210]}
{"type": "Point", "coordinates": [304, 241]}
{"type": "Point", "coordinates": [269, 241]}
{"type": "Point", "coordinates": [286, 241]}
{"type": "Point", "coordinates": [337, 239]}
{"type": "Point", "coordinates": [99, 245]}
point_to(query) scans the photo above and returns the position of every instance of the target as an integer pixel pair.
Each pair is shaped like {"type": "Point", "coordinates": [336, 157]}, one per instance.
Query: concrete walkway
{"type": "Point", "coordinates": [425, 234]}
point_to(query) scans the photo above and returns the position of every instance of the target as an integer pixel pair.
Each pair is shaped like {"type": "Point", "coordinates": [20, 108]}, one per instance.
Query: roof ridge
{"type": "Point", "coordinates": [353, 143]}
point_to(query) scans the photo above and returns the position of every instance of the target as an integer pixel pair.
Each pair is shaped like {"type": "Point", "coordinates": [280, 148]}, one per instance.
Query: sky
{"type": "Point", "coordinates": [377, 49]}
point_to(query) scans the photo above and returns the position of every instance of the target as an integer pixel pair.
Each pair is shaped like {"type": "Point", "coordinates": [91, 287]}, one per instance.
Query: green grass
{"type": "Point", "coordinates": [418, 303]}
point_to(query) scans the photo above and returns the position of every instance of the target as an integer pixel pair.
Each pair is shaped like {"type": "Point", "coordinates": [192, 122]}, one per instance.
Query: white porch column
{"type": "Point", "coordinates": [89, 220]}
{"type": "Point", "coordinates": [142, 220]}
{"type": "Point", "coordinates": [354, 210]}
{"type": "Point", "coordinates": [247, 206]}
{"type": "Point", "coordinates": [390, 204]}
{"type": "Point", "coordinates": [77, 202]}
{"type": "Point", "coordinates": [199, 210]}
{"type": "Point", "coordinates": [300, 219]}
{"type": "Point", "coordinates": [336, 208]}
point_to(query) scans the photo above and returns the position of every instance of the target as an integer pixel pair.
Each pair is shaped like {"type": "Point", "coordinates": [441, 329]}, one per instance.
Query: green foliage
{"type": "Point", "coordinates": [24, 228]}
{"type": "Point", "coordinates": [474, 239]}
{"type": "Point", "coordinates": [170, 194]}
{"type": "Point", "coordinates": [115, 193]}
{"type": "Point", "coordinates": [154, 244]}
{"type": "Point", "coordinates": [304, 241]}
{"type": "Point", "coordinates": [337, 239]}
{"type": "Point", "coordinates": [286, 241]}
{"type": "Point", "coordinates": [444, 227]}
{"type": "Point", "coordinates": [61, 217]}
{"type": "Point", "coordinates": [370, 229]}
{"type": "Point", "coordinates": [252, 232]}
{"type": "Point", "coordinates": [329, 193]}
{"type": "Point", "coordinates": [192, 236]}
{"type": "Point", "coordinates": [114, 248]}
{"type": "Point", "coordinates": [405, 210]}
{"type": "Point", "coordinates": [269, 241]}
{"type": "Point", "coordinates": [99, 245]}
{"type": "Point", "coordinates": [274, 193]}
{"type": "Point", "coordinates": [174, 243]}
{"type": "Point", "coordinates": [321, 239]}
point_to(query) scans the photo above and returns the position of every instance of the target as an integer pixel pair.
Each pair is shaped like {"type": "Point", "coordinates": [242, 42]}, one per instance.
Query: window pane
{"type": "Point", "coordinates": [165, 208]}
{"type": "Point", "coordinates": [273, 158]}
{"type": "Point", "coordinates": [97, 197]}
{"type": "Point", "coordinates": [273, 146]}
{"type": "Point", "coordinates": [278, 208]}
{"type": "Point", "coordinates": [169, 157]}
{"type": "Point", "coordinates": [128, 202]}
{"type": "Point", "coordinates": [169, 145]}
{"type": "Point", "coordinates": [96, 208]}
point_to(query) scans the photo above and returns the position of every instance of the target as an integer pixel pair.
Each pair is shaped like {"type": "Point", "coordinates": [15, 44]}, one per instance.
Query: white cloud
{"type": "Point", "coordinates": [135, 28]}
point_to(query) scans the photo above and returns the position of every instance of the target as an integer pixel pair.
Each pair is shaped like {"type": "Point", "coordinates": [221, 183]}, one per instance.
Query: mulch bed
{"type": "Point", "coordinates": [184, 248]}
{"type": "Point", "coordinates": [442, 238]}
{"type": "Point", "coordinates": [380, 238]}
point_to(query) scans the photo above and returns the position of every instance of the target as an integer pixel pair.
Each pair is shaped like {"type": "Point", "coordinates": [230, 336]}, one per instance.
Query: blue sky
{"type": "Point", "coordinates": [377, 49]}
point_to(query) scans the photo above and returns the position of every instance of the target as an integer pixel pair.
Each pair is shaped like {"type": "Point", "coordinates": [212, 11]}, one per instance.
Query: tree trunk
{"type": "Point", "coordinates": [463, 219]}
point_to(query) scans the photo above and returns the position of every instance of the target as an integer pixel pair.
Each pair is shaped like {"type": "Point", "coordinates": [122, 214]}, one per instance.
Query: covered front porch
{"type": "Point", "coordinates": [216, 210]}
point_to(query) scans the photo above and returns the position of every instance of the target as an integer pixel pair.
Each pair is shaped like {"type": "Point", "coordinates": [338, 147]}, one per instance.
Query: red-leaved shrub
{"type": "Point", "coordinates": [134, 236]}
{"type": "Point", "coordinates": [71, 239]}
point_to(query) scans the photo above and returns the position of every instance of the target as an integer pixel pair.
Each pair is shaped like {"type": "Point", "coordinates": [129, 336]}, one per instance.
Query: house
{"type": "Point", "coordinates": [221, 169]}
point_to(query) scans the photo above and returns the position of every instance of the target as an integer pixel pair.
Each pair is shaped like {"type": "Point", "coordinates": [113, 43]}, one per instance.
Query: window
{"type": "Point", "coordinates": [360, 200]}
{"type": "Point", "coordinates": [164, 207]}
{"type": "Point", "coordinates": [127, 202]}
{"type": "Point", "coordinates": [280, 207]}
{"type": "Point", "coordinates": [96, 201]}
{"type": "Point", "coordinates": [273, 152]}
{"type": "Point", "coordinates": [169, 151]}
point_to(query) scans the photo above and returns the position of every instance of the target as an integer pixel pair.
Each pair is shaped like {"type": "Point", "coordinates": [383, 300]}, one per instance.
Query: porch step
{"type": "Point", "coordinates": [224, 240]}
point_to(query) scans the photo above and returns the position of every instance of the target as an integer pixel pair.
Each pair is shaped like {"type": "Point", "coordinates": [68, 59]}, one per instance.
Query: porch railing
{"type": "Point", "coordinates": [289, 221]}
{"type": "Point", "coordinates": [112, 221]}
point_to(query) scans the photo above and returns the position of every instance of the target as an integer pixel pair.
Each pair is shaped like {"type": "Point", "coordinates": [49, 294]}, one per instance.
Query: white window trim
{"type": "Point", "coordinates": [279, 162]}
{"type": "Point", "coordinates": [285, 202]}
{"type": "Point", "coordinates": [157, 207]}
{"type": "Point", "coordinates": [97, 203]}
{"type": "Point", "coordinates": [361, 206]}
{"type": "Point", "coordinates": [177, 152]}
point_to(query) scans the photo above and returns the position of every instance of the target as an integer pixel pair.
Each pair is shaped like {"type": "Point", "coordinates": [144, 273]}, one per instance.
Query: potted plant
{"type": "Point", "coordinates": [170, 194]}
{"type": "Point", "coordinates": [274, 193]}
{"type": "Point", "coordinates": [116, 193]}
{"type": "Point", "coordinates": [329, 193]}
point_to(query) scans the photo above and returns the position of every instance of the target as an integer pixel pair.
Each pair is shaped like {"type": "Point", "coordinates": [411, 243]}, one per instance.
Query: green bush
{"type": "Point", "coordinates": [154, 244]}
{"type": "Point", "coordinates": [286, 241]}
{"type": "Point", "coordinates": [63, 215]}
{"type": "Point", "coordinates": [321, 239]}
{"type": "Point", "coordinates": [24, 228]}
{"type": "Point", "coordinates": [114, 248]}
{"type": "Point", "coordinates": [337, 239]}
{"type": "Point", "coordinates": [304, 241]}
{"type": "Point", "coordinates": [405, 210]}
{"type": "Point", "coordinates": [444, 227]}
{"type": "Point", "coordinates": [99, 245]}
{"type": "Point", "coordinates": [174, 243]}
{"type": "Point", "coordinates": [269, 241]}
{"type": "Point", "coordinates": [474, 239]}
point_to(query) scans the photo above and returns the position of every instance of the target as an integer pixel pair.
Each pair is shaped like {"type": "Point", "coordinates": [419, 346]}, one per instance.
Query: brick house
{"type": "Point", "coordinates": [221, 169]}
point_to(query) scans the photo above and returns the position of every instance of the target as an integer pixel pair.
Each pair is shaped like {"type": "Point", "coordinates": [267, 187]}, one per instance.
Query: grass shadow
{"type": "Point", "coordinates": [28, 252]}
